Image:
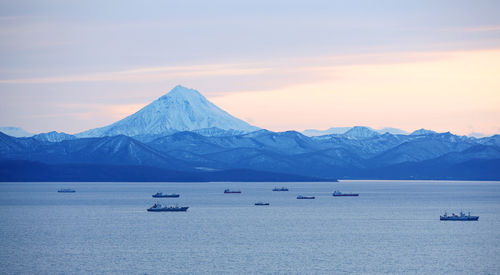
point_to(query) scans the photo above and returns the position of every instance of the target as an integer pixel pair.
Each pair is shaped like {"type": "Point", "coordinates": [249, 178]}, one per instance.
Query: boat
{"type": "Point", "coordinates": [159, 208]}
{"type": "Point", "coordinates": [161, 195]}
{"type": "Point", "coordinates": [461, 217]}
{"type": "Point", "coordinates": [66, 190]}
{"type": "Point", "coordinates": [300, 197]}
{"type": "Point", "coordinates": [340, 194]}
{"type": "Point", "coordinates": [280, 189]}
{"type": "Point", "coordinates": [227, 191]}
{"type": "Point", "coordinates": [261, 203]}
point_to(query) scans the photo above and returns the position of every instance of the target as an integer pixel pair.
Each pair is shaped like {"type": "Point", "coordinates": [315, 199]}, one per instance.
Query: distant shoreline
{"type": "Point", "coordinates": [270, 182]}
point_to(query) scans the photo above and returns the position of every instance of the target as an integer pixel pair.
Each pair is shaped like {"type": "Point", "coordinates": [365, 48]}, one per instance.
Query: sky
{"type": "Point", "coordinates": [281, 65]}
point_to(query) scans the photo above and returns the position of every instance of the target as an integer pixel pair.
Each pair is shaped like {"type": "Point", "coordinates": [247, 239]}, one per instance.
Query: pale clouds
{"type": "Point", "coordinates": [146, 74]}
{"type": "Point", "coordinates": [444, 94]}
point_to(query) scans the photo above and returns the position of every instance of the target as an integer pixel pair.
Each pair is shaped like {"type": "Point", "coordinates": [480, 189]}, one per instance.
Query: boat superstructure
{"type": "Point", "coordinates": [159, 208]}
{"type": "Point", "coordinates": [337, 193]}
{"type": "Point", "coordinates": [461, 217]}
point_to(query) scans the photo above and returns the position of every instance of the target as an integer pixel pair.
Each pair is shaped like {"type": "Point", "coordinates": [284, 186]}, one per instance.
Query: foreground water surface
{"type": "Point", "coordinates": [392, 227]}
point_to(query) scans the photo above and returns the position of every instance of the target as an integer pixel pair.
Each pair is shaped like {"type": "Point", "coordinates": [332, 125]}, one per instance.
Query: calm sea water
{"type": "Point", "coordinates": [392, 227]}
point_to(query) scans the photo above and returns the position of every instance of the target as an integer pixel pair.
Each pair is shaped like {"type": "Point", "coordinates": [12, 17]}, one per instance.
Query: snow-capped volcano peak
{"type": "Point", "coordinates": [182, 109]}
{"type": "Point", "coordinates": [181, 92]}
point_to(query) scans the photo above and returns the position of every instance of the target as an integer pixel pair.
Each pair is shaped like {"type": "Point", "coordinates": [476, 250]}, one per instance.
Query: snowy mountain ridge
{"type": "Point", "coordinates": [15, 131]}
{"type": "Point", "coordinates": [54, 136]}
{"type": "Point", "coordinates": [343, 130]}
{"type": "Point", "coordinates": [361, 132]}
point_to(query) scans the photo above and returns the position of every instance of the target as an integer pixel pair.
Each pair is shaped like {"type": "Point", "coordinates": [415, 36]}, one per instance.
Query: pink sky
{"type": "Point", "coordinates": [445, 91]}
{"type": "Point", "coordinates": [278, 65]}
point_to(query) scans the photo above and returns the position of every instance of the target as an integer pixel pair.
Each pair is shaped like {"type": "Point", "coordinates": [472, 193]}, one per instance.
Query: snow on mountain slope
{"type": "Point", "coordinates": [15, 132]}
{"type": "Point", "coordinates": [361, 132]}
{"type": "Point", "coordinates": [182, 109]}
{"type": "Point", "coordinates": [394, 131]}
{"type": "Point", "coordinates": [422, 132]}
{"type": "Point", "coordinates": [424, 147]}
{"type": "Point", "coordinates": [343, 130]}
{"type": "Point", "coordinates": [53, 136]}
{"type": "Point", "coordinates": [333, 130]}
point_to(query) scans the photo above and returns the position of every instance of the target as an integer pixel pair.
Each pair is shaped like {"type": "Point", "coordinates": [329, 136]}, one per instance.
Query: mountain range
{"type": "Point", "coordinates": [183, 137]}
{"type": "Point", "coordinates": [343, 130]}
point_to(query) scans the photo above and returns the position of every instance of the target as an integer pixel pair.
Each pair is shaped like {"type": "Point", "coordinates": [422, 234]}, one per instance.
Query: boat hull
{"type": "Point", "coordinates": [168, 209]}
{"type": "Point", "coordinates": [165, 196]}
{"type": "Point", "coordinates": [471, 218]}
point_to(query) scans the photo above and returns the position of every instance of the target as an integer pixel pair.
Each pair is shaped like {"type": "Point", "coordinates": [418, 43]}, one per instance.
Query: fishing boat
{"type": "Point", "coordinates": [300, 197]}
{"type": "Point", "coordinates": [461, 217]}
{"type": "Point", "coordinates": [261, 203]}
{"type": "Point", "coordinates": [161, 195]}
{"type": "Point", "coordinates": [159, 208]}
{"type": "Point", "coordinates": [66, 190]}
{"type": "Point", "coordinates": [280, 189]}
{"type": "Point", "coordinates": [340, 194]}
{"type": "Point", "coordinates": [227, 191]}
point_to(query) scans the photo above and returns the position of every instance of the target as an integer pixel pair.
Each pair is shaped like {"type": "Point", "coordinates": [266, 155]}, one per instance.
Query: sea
{"type": "Point", "coordinates": [393, 227]}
